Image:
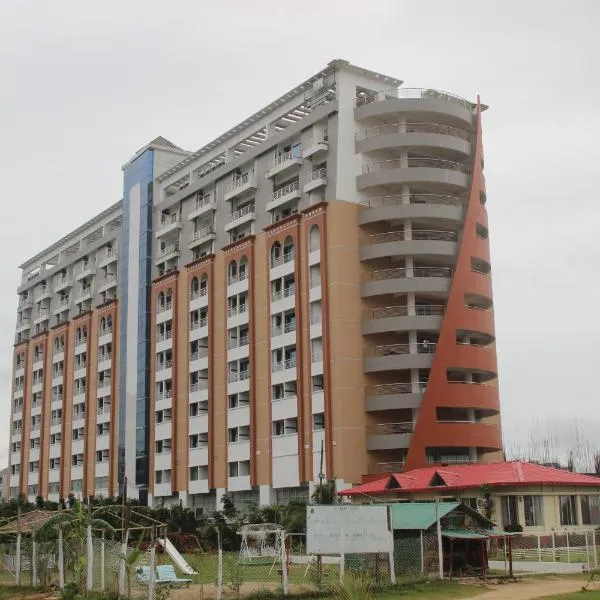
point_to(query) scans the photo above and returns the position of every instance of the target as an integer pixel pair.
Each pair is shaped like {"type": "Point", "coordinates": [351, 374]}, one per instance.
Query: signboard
{"type": "Point", "coordinates": [348, 529]}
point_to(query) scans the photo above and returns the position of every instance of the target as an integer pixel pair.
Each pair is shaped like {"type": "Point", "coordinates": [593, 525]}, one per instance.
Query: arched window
{"type": "Point", "coordinates": [232, 271]}
{"type": "Point", "coordinates": [275, 254]}
{"type": "Point", "coordinates": [169, 298]}
{"type": "Point", "coordinates": [109, 323]}
{"type": "Point", "coordinates": [103, 324]}
{"type": "Point", "coordinates": [161, 300]}
{"type": "Point", "coordinates": [288, 249]}
{"type": "Point", "coordinates": [243, 272]}
{"type": "Point", "coordinates": [203, 284]}
{"type": "Point", "coordinates": [314, 239]}
{"type": "Point", "coordinates": [37, 351]}
{"type": "Point", "coordinates": [194, 287]}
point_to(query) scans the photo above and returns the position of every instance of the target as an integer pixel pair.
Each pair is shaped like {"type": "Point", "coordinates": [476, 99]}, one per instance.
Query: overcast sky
{"type": "Point", "coordinates": [83, 85]}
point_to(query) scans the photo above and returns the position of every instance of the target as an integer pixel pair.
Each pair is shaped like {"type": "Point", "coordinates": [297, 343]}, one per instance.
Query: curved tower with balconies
{"type": "Point", "coordinates": [428, 325]}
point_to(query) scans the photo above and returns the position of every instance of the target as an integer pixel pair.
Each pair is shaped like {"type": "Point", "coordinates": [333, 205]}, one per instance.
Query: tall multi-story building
{"type": "Point", "coordinates": [306, 296]}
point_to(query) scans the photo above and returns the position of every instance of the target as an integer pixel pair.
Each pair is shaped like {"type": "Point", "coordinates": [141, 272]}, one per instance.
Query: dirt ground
{"type": "Point", "coordinates": [530, 589]}
{"type": "Point", "coordinates": [525, 589]}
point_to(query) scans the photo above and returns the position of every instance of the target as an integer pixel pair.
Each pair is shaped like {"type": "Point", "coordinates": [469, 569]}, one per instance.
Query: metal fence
{"type": "Point", "coordinates": [547, 552]}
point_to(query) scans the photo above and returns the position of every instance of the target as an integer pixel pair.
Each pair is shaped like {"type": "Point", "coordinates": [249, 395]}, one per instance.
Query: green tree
{"type": "Point", "coordinates": [325, 493]}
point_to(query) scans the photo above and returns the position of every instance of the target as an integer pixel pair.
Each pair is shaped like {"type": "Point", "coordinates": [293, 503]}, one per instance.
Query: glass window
{"type": "Point", "coordinates": [534, 512]}
{"type": "Point", "coordinates": [510, 512]}
{"type": "Point", "coordinates": [590, 510]}
{"type": "Point", "coordinates": [568, 510]}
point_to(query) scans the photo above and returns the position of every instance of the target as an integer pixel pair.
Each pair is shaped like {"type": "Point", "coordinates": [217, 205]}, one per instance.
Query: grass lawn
{"type": "Point", "coordinates": [10, 592]}
{"type": "Point", "coordinates": [581, 595]}
{"type": "Point", "coordinates": [434, 590]}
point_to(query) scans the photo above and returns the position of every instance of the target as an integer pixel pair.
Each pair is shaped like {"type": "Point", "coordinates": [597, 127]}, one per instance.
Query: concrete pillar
{"type": "Point", "coordinates": [266, 495]}
{"type": "Point", "coordinates": [405, 194]}
{"type": "Point", "coordinates": [219, 492]}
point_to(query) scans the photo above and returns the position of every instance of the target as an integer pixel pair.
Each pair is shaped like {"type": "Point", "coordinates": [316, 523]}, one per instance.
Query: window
{"type": "Point", "coordinates": [102, 456]}
{"type": "Point", "coordinates": [278, 428]}
{"type": "Point", "coordinates": [54, 464]}
{"type": "Point", "coordinates": [77, 460]}
{"type": "Point", "coordinates": [568, 510]}
{"type": "Point", "coordinates": [34, 466]}
{"type": "Point", "coordinates": [510, 510]}
{"type": "Point", "coordinates": [590, 510]}
{"type": "Point", "coordinates": [163, 446]}
{"type": "Point", "coordinates": [534, 511]}
{"type": "Point", "coordinates": [194, 474]}
{"type": "Point", "coordinates": [233, 469]}
{"type": "Point", "coordinates": [233, 435]}
{"type": "Point", "coordinates": [101, 483]}
{"type": "Point", "coordinates": [318, 421]}
{"type": "Point", "coordinates": [163, 476]}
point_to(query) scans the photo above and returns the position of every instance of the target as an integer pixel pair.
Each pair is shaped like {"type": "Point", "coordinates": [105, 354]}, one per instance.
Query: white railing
{"type": "Point", "coordinates": [411, 94]}
{"type": "Point", "coordinates": [106, 330]}
{"type": "Point", "coordinates": [317, 356]}
{"type": "Point", "coordinates": [103, 410]}
{"type": "Point", "coordinates": [164, 307]}
{"type": "Point", "coordinates": [164, 396]}
{"type": "Point", "coordinates": [403, 311]}
{"type": "Point", "coordinates": [424, 347]}
{"type": "Point", "coordinates": [202, 291]}
{"type": "Point", "coordinates": [415, 234]}
{"type": "Point", "coordinates": [202, 233]}
{"type": "Point", "coordinates": [238, 182]}
{"type": "Point", "coordinates": [169, 249]}
{"type": "Point", "coordinates": [62, 281]}
{"type": "Point", "coordinates": [202, 202]}
{"type": "Point", "coordinates": [401, 273]}
{"type": "Point", "coordinates": [241, 276]}
{"type": "Point", "coordinates": [199, 323]}
{"type": "Point", "coordinates": [289, 363]}
{"type": "Point", "coordinates": [411, 128]}
{"type": "Point", "coordinates": [285, 190]}
{"type": "Point", "coordinates": [242, 212]}
{"type": "Point", "coordinates": [162, 337]}
{"type": "Point", "coordinates": [202, 353]}
{"type": "Point", "coordinates": [167, 364]}
{"type": "Point", "coordinates": [167, 220]}
{"type": "Point", "coordinates": [396, 200]}
{"type": "Point", "coordinates": [238, 343]}
{"type": "Point", "coordinates": [413, 162]}
{"type": "Point", "coordinates": [110, 279]}
{"type": "Point", "coordinates": [202, 384]}
{"type": "Point", "coordinates": [319, 174]}
{"type": "Point", "coordinates": [451, 459]}
{"type": "Point", "coordinates": [285, 293]}
{"type": "Point", "coordinates": [392, 428]}
{"type": "Point", "coordinates": [283, 158]}
{"type": "Point", "coordinates": [237, 310]}
{"type": "Point", "coordinates": [104, 383]}
{"type": "Point", "coordinates": [286, 257]}
{"type": "Point", "coordinates": [316, 319]}
{"type": "Point", "coordinates": [389, 467]}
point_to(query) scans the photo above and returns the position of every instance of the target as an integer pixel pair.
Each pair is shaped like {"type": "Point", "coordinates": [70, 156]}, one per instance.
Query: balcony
{"type": "Point", "coordinates": [168, 224]}
{"type": "Point", "coordinates": [283, 162]}
{"type": "Point", "coordinates": [82, 271]}
{"type": "Point", "coordinates": [44, 315]}
{"type": "Point", "coordinates": [62, 283]}
{"type": "Point", "coordinates": [107, 257]}
{"type": "Point", "coordinates": [318, 178]}
{"type": "Point", "coordinates": [43, 293]}
{"type": "Point", "coordinates": [24, 324]}
{"type": "Point", "coordinates": [415, 242]}
{"type": "Point", "coordinates": [285, 194]}
{"type": "Point", "coordinates": [435, 280]}
{"type": "Point", "coordinates": [201, 236]}
{"type": "Point", "coordinates": [315, 145]}
{"type": "Point", "coordinates": [83, 293]}
{"type": "Point", "coordinates": [110, 282]}
{"type": "Point", "coordinates": [198, 329]}
{"type": "Point", "coordinates": [389, 436]}
{"type": "Point", "coordinates": [202, 206]}
{"type": "Point", "coordinates": [394, 396]}
{"type": "Point", "coordinates": [240, 217]}
{"type": "Point", "coordinates": [419, 101]}
{"type": "Point", "coordinates": [282, 259]}
{"type": "Point", "coordinates": [395, 357]}
{"type": "Point", "coordinates": [243, 184]}
{"type": "Point", "coordinates": [168, 252]}
{"type": "Point", "coordinates": [62, 305]}
{"type": "Point", "coordinates": [421, 135]}
{"type": "Point", "coordinates": [387, 467]}
{"type": "Point", "coordinates": [414, 170]}
{"type": "Point", "coordinates": [424, 317]}
{"type": "Point", "coordinates": [437, 207]}
{"type": "Point", "coordinates": [25, 302]}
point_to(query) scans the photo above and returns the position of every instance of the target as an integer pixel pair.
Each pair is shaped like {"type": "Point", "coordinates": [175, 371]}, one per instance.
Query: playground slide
{"type": "Point", "coordinates": [183, 565]}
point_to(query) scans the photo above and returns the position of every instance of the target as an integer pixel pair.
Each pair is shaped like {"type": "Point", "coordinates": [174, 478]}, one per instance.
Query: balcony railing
{"type": "Point", "coordinates": [455, 459]}
{"type": "Point", "coordinates": [167, 220]}
{"type": "Point", "coordinates": [242, 212]}
{"type": "Point", "coordinates": [285, 293]}
{"type": "Point", "coordinates": [424, 347]}
{"type": "Point", "coordinates": [199, 385]}
{"type": "Point", "coordinates": [281, 329]}
{"type": "Point", "coordinates": [202, 353]}
{"type": "Point", "coordinates": [103, 410]}
{"type": "Point", "coordinates": [202, 202]}
{"type": "Point", "coordinates": [410, 162]}
{"type": "Point", "coordinates": [238, 376]}
{"type": "Point", "coordinates": [395, 200]}
{"type": "Point", "coordinates": [282, 258]}
{"type": "Point", "coordinates": [401, 273]}
{"type": "Point", "coordinates": [289, 363]}
{"type": "Point", "coordinates": [318, 174]}
{"type": "Point", "coordinates": [415, 234]}
{"type": "Point", "coordinates": [164, 395]}
{"type": "Point", "coordinates": [385, 389]}
{"type": "Point", "coordinates": [237, 343]}
{"type": "Point", "coordinates": [404, 311]}
{"type": "Point", "coordinates": [411, 128]}
{"type": "Point", "coordinates": [199, 323]}
{"type": "Point", "coordinates": [283, 158]}
{"type": "Point", "coordinates": [241, 276]}
{"type": "Point", "coordinates": [167, 364]}
{"type": "Point", "coordinates": [106, 330]}
{"type": "Point", "coordinates": [104, 383]}
{"type": "Point", "coordinates": [285, 190]}
{"type": "Point", "coordinates": [202, 291]}
{"type": "Point", "coordinates": [237, 310]}
{"type": "Point", "coordinates": [162, 337]}
{"type": "Point", "coordinates": [163, 307]}
{"type": "Point", "coordinates": [238, 182]}
{"type": "Point", "coordinates": [168, 249]}
{"type": "Point", "coordinates": [389, 467]}
{"type": "Point", "coordinates": [391, 428]}
{"type": "Point", "coordinates": [202, 233]}
{"type": "Point", "coordinates": [317, 356]}
{"type": "Point", "coordinates": [411, 93]}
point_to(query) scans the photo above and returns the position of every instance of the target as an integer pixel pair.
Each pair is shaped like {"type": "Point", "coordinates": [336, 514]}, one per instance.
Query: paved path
{"type": "Point", "coordinates": [524, 566]}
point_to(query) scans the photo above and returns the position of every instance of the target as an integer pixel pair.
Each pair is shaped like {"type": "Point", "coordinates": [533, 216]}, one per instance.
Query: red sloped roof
{"type": "Point", "coordinates": [459, 477]}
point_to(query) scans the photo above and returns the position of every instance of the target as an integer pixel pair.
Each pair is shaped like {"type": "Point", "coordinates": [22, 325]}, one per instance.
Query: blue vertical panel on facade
{"type": "Point", "coordinates": [134, 375]}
